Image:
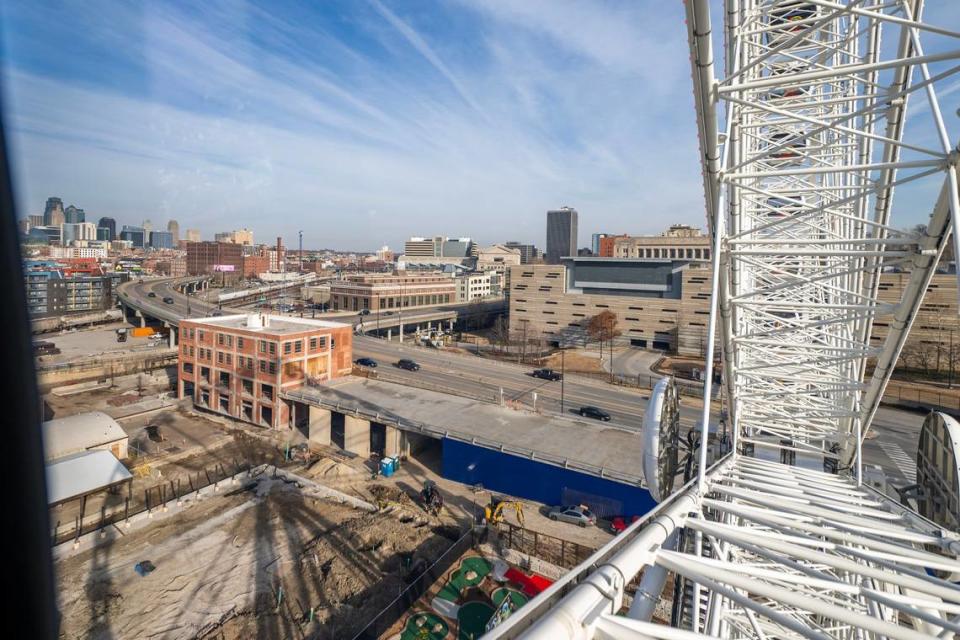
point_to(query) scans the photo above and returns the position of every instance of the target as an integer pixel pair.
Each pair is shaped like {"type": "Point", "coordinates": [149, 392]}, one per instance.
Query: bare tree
{"type": "Point", "coordinates": [602, 327]}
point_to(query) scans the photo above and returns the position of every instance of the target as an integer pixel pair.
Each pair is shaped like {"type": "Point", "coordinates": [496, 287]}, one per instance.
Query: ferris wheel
{"type": "Point", "coordinates": [811, 115]}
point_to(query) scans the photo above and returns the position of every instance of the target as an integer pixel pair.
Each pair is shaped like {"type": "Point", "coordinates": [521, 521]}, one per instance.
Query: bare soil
{"type": "Point", "coordinates": [249, 564]}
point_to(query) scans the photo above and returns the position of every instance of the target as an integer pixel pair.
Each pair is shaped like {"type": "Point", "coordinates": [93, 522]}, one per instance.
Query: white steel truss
{"type": "Point", "coordinates": [799, 189]}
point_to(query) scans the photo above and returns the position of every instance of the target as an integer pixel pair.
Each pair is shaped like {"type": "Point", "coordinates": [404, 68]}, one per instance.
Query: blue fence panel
{"type": "Point", "coordinates": [535, 480]}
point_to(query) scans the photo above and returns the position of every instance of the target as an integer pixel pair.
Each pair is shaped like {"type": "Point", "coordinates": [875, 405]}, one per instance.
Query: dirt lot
{"type": "Point", "coordinates": [221, 565]}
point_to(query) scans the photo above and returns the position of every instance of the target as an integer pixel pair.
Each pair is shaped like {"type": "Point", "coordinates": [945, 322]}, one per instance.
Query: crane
{"type": "Point", "coordinates": [808, 122]}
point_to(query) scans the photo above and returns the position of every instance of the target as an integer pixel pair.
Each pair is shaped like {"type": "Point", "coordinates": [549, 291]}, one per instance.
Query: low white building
{"type": "Point", "coordinates": [473, 286]}
{"type": "Point", "coordinates": [83, 432]}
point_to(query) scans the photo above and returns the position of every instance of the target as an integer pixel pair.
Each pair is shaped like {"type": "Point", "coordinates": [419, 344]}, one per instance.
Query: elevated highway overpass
{"type": "Point", "coordinates": [144, 300]}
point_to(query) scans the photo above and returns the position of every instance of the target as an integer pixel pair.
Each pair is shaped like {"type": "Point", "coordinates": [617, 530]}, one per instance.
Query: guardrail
{"type": "Point", "coordinates": [440, 433]}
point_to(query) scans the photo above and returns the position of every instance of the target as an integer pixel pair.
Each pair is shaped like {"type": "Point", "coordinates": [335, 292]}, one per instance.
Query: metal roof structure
{"type": "Point", "coordinates": [799, 189]}
{"type": "Point", "coordinates": [80, 432]}
{"type": "Point", "coordinates": [82, 474]}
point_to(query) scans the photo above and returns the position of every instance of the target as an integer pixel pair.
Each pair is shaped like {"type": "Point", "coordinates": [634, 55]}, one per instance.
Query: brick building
{"type": "Point", "coordinates": [238, 365]}
{"type": "Point", "coordinates": [392, 291]}
{"type": "Point", "coordinates": [202, 256]}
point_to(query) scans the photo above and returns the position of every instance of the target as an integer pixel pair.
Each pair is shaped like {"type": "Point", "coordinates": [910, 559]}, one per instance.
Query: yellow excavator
{"type": "Point", "coordinates": [494, 511]}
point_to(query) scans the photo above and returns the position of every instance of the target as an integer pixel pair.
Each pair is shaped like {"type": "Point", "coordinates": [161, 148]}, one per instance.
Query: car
{"type": "Point", "coordinates": [216, 312]}
{"type": "Point", "coordinates": [619, 524]}
{"type": "Point", "coordinates": [151, 295]}
{"type": "Point", "coordinates": [388, 313]}
{"type": "Point", "coordinates": [407, 364]}
{"type": "Point", "coordinates": [595, 413]}
{"type": "Point", "coordinates": [366, 362]}
{"type": "Point", "coordinates": [364, 312]}
{"type": "Point", "coordinates": [168, 300]}
{"type": "Point", "coordinates": [547, 374]}
{"type": "Point", "coordinates": [574, 514]}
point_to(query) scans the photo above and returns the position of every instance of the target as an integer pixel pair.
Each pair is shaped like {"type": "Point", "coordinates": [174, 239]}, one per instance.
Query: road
{"type": "Point", "coordinates": [892, 446]}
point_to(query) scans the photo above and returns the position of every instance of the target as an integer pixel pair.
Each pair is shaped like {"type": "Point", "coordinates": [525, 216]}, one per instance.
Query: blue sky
{"type": "Point", "coordinates": [360, 122]}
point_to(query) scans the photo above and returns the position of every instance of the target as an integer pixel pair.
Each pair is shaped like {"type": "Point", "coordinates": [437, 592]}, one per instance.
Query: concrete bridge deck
{"type": "Point", "coordinates": [613, 453]}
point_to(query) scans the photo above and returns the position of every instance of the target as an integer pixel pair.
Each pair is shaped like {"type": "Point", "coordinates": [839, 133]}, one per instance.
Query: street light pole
{"type": "Point", "coordinates": [563, 368]}
{"type": "Point", "coordinates": [300, 267]}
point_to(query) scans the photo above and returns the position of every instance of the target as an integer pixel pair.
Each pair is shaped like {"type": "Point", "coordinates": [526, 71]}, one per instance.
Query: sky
{"type": "Point", "coordinates": [359, 122]}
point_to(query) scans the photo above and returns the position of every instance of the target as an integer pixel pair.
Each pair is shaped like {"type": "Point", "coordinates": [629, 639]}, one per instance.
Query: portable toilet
{"type": "Point", "coordinates": [387, 467]}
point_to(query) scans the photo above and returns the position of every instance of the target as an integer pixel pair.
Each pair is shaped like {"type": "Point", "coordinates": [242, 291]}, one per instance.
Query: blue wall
{"type": "Point", "coordinates": [534, 480]}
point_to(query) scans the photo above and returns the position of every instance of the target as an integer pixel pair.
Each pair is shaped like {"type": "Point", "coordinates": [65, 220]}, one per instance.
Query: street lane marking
{"type": "Point", "coordinates": [903, 462]}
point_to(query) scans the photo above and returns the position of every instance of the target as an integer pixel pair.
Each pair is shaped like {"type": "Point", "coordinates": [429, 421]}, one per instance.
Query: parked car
{"type": "Point", "coordinates": [595, 413]}
{"type": "Point", "coordinates": [409, 365]}
{"type": "Point", "coordinates": [216, 312]}
{"type": "Point", "coordinates": [364, 312]}
{"type": "Point", "coordinates": [168, 300]}
{"type": "Point", "coordinates": [574, 514]}
{"type": "Point", "coordinates": [366, 362]}
{"type": "Point", "coordinates": [619, 524]}
{"type": "Point", "coordinates": [151, 294]}
{"type": "Point", "coordinates": [388, 313]}
{"type": "Point", "coordinates": [547, 374]}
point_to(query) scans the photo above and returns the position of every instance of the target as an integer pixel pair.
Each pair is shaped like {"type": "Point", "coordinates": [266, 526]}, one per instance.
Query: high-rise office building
{"type": "Point", "coordinates": [103, 233]}
{"type": "Point", "coordinates": [561, 234]}
{"type": "Point", "coordinates": [78, 231]}
{"type": "Point", "coordinates": [174, 228]}
{"type": "Point", "coordinates": [53, 213]}
{"type": "Point", "coordinates": [74, 215]}
{"type": "Point", "coordinates": [111, 224]}
{"type": "Point", "coordinates": [36, 220]}
{"type": "Point", "coordinates": [528, 252]}
{"type": "Point", "coordinates": [136, 235]}
{"type": "Point", "coordinates": [192, 235]}
{"type": "Point", "coordinates": [147, 227]}
{"type": "Point", "coordinates": [161, 240]}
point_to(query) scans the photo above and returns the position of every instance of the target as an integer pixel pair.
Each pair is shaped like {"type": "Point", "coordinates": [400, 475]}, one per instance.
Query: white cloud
{"type": "Point", "coordinates": [226, 131]}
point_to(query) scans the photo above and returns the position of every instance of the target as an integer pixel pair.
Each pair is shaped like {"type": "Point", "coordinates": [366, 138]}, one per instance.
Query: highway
{"type": "Point", "coordinates": [483, 379]}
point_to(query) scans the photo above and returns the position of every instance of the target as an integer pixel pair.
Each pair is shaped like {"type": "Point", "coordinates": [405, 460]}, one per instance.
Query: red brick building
{"type": "Point", "coordinates": [238, 365]}
{"type": "Point", "coordinates": [203, 256]}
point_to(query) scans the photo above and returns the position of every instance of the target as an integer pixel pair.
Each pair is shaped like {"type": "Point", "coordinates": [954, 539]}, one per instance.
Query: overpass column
{"type": "Point", "coordinates": [392, 447]}
{"type": "Point", "coordinates": [389, 335]}
{"type": "Point", "coordinates": [356, 435]}
{"type": "Point", "coordinates": [400, 335]}
{"type": "Point", "coordinates": [318, 430]}
{"type": "Point", "coordinates": [143, 320]}
{"type": "Point", "coordinates": [172, 335]}
{"type": "Point", "coordinates": [450, 326]}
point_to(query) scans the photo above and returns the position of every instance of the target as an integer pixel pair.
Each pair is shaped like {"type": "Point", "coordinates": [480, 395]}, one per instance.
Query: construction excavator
{"type": "Point", "coordinates": [494, 511]}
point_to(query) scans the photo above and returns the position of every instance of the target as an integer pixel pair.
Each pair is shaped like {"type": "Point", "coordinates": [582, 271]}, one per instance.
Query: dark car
{"type": "Point", "coordinates": [151, 295]}
{"type": "Point", "coordinates": [366, 362]}
{"type": "Point", "coordinates": [388, 313]}
{"type": "Point", "coordinates": [409, 365]}
{"type": "Point", "coordinates": [168, 300]}
{"type": "Point", "coordinates": [216, 312]}
{"type": "Point", "coordinates": [595, 413]}
{"type": "Point", "coordinates": [364, 312]}
{"type": "Point", "coordinates": [546, 374]}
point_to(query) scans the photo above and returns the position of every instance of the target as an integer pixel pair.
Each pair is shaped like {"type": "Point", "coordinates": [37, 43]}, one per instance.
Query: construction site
{"type": "Point", "coordinates": [224, 530]}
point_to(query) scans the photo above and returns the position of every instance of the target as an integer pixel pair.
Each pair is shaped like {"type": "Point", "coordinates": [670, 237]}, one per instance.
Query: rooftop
{"type": "Point", "coordinates": [74, 434]}
{"type": "Point", "coordinates": [83, 473]}
{"type": "Point", "coordinates": [267, 324]}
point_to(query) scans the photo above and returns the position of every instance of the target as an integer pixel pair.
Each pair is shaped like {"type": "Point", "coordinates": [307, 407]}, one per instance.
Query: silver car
{"type": "Point", "coordinates": [574, 514]}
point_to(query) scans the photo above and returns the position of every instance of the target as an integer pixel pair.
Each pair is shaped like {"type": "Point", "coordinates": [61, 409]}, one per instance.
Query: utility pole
{"type": "Point", "coordinates": [950, 379]}
{"type": "Point", "coordinates": [300, 267]}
